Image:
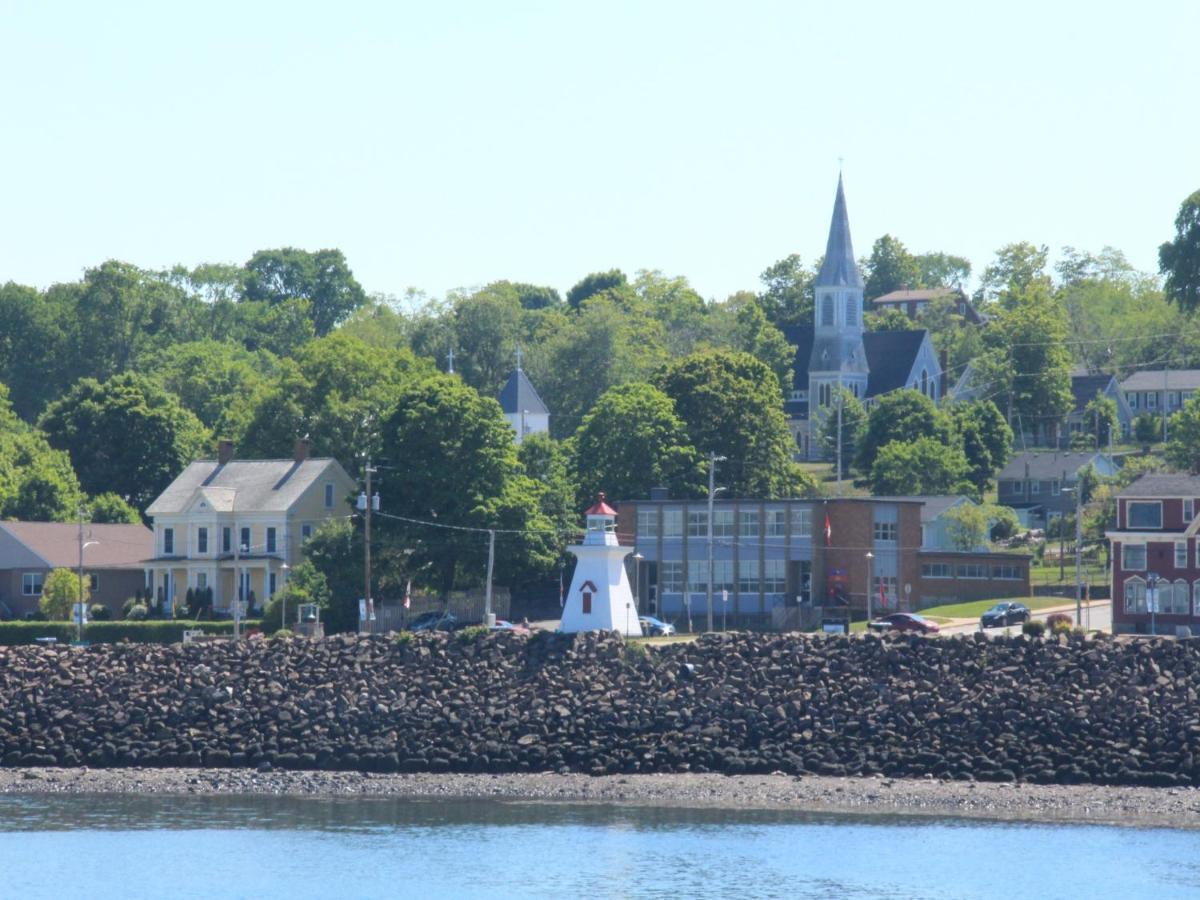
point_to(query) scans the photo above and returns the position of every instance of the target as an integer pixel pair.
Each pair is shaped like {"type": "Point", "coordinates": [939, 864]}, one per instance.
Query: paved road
{"type": "Point", "coordinates": [1097, 615]}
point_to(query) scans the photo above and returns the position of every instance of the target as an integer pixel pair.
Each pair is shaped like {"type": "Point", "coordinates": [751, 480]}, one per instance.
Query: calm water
{"type": "Point", "coordinates": [103, 847]}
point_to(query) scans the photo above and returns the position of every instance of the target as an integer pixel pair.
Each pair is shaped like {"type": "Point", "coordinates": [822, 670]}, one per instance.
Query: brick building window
{"type": "Point", "coordinates": [1181, 554]}
{"type": "Point", "coordinates": [936, 570]}
{"type": "Point", "coordinates": [647, 522]}
{"type": "Point", "coordinates": [1135, 595]}
{"type": "Point", "coordinates": [1133, 557]}
{"type": "Point", "coordinates": [776, 523]}
{"type": "Point", "coordinates": [748, 576]}
{"type": "Point", "coordinates": [886, 532]}
{"type": "Point", "coordinates": [801, 521]}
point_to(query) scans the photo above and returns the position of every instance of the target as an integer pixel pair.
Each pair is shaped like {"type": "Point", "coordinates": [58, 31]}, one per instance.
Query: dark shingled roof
{"type": "Point", "coordinates": [890, 356]}
{"type": "Point", "coordinates": [1164, 485]}
{"type": "Point", "coordinates": [1047, 465]}
{"type": "Point", "coordinates": [1085, 388]}
{"type": "Point", "coordinates": [1152, 380]}
{"type": "Point", "coordinates": [839, 269]}
{"type": "Point", "coordinates": [519, 396]}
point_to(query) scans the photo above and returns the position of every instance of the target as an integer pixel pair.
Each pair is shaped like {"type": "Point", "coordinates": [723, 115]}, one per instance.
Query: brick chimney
{"type": "Point", "coordinates": [302, 447]}
{"type": "Point", "coordinates": [224, 452]}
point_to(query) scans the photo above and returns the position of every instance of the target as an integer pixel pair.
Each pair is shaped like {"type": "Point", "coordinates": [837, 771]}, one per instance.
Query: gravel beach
{"type": "Point", "coordinates": [1129, 806]}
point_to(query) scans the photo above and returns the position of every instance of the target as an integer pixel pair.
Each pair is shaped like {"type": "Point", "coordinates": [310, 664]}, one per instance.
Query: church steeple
{"type": "Point", "coordinates": [839, 268]}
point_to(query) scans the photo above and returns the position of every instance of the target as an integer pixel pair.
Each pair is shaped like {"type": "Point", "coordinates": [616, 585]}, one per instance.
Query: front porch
{"type": "Point", "coordinates": [260, 578]}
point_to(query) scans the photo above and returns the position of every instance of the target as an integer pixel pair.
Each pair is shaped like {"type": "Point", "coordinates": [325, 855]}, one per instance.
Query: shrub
{"type": "Point", "coordinates": [472, 633]}
{"type": "Point", "coordinates": [284, 633]}
{"type": "Point", "coordinates": [1060, 623]}
{"type": "Point", "coordinates": [129, 604]}
{"type": "Point", "coordinates": [137, 613]}
{"type": "Point", "coordinates": [98, 612]}
{"type": "Point", "coordinates": [1034, 628]}
{"type": "Point", "coordinates": [404, 638]}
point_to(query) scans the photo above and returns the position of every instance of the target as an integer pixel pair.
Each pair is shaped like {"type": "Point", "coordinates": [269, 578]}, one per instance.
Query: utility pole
{"type": "Point", "coordinates": [839, 436]}
{"type": "Point", "coordinates": [1078, 553]}
{"type": "Point", "coordinates": [1166, 377]}
{"type": "Point", "coordinates": [367, 501]}
{"type": "Point", "coordinates": [79, 607]}
{"type": "Point", "coordinates": [237, 572]}
{"type": "Point", "coordinates": [489, 618]}
{"type": "Point", "coordinates": [713, 459]}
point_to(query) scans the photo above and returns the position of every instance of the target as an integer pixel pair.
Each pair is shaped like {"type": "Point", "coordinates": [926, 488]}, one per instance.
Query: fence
{"type": "Point", "coordinates": [466, 606]}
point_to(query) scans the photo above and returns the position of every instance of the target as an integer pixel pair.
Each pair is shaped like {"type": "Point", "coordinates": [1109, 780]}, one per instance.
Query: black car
{"type": "Point", "coordinates": [434, 621]}
{"type": "Point", "coordinates": [1002, 614]}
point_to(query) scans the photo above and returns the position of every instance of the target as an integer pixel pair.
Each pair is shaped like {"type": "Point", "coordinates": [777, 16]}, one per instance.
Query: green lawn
{"type": "Point", "coordinates": [975, 608]}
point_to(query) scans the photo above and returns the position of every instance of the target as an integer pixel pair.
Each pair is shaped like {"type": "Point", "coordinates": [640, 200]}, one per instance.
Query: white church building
{"type": "Point", "coordinates": [837, 350]}
{"type": "Point", "coordinates": [600, 598]}
{"type": "Point", "coordinates": [522, 406]}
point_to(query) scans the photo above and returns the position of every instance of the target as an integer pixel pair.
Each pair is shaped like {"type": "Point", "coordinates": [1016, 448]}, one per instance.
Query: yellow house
{"type": "Point", "coordinates": [229, 522]}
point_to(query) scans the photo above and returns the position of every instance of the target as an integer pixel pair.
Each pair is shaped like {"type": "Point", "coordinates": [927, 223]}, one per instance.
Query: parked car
{"type": "Point", "coordinates": [505, 625]}
{"type": "Point", "coordinates": [903, 621]}
{"type": "Point", "coordinates": [434, 621]}
{"type": "Point", "coordinates": [1006, 613]}
{"type": "Point", "coordinates": [652, 627]}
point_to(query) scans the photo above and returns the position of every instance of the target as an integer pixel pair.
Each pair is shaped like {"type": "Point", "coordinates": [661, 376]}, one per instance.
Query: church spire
{"type": "Point", "coordinates": [839, 268]}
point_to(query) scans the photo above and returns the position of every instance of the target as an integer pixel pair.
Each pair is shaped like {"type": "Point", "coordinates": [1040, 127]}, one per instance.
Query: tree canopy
{"type": "Point", "coordinates": [1179, 259]}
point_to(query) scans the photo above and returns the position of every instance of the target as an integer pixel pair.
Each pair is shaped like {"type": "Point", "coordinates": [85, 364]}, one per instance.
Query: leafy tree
{"type": "Point", "coordinates": [1017, 268]}
{"type": "Point", "coordinates": [1147, 429]}
{"type": "Point", "coordinates": [29, 320]}
{"type": "Point", "coordinates": [985, 437]}
{"type": "Point", "coordinates": [305, 584]}
{"type": "Point", "coordinates": [753, 333]}
{"type": "Point", "coordinates": [36, 482]}
{"type": "Point", "coordinates": [209, 377]}
{"type": "Point", "coordinates": [942, 270]}
{"type": "Point", "coordinates": [1005, 522]}
{"type": "Point", "coordinates": [461, 470]}
{"type": "Point", "coordinates": [126, 435]}
{"type": "Point", "coordinates": [730, 404]}
{"type": "Point", "coordinates": [967, 526]}
{"type": "Point", "coordinates": [787, 297]}
{"type": "Point", "coordinates": [854, 426]}
{"type": "Point", "coordinates": [1179, 260]}
{"type": "Point", "coordinates": [322, 280]}
{"type": "Point", "coordinates": [1089, 481]}
{"type": "Point", "coordinates": [888, 319]}
{"type": "Point", "coordinates": [890, 267]}
{"type": "Point", "coordinates": [1183, 447]}
{"type": "Point", "coordinates": [1101, 415]}
{"type": "Point", "coordinates": [112, 509]}
{"type": "Point", "coordinates": [1078, 267]}
{"type": "Point", "coordinates": [902, 416]}
{"type": "Point", "coordinates": [595, 283]}
{"type": "Point", "coordinates": [631, 441]}
{"type": "Point", "coordinates": [336, 553]}
{"type": "Point", "coordinates": [547, 463]}
{"type": "Point", "coordinates": [923, 466]}
{"type": "Point", "coordinates": [60, 593]}
{"type": "Point", "coordinates": [533, 296]}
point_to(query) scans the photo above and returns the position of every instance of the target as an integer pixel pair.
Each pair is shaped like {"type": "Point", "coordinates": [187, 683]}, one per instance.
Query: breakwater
{"type": "Point", "coordinates": [1001, 709]}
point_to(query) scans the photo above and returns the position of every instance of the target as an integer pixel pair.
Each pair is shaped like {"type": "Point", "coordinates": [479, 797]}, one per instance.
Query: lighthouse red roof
{"type": "Point", "coordinates": [601, 508]}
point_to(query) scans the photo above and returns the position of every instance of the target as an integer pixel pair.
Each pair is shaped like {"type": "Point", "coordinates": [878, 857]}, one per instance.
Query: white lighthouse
{"type": "Point", "coordinates": [600, 598]}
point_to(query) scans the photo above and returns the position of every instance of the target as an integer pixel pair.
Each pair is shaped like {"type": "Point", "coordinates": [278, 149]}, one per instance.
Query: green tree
{"type": "Point", "coordinates": [1100, 416]}
{"type": "Point", "coordinates": [1183, 447]}
{"type": "Point", "coordinates": [1017, 268]}
{"type": "Point", "coordinates": [888, 319]}
{"type": "Point", "coordinates": [36, 482]}
{"type": "Point", "coordinates": [60, 592]}
{"type": "Point", "coordinates": [1179, 260]}
{"type": "Point", "coordinates": [209, 377]}
{"type": "Point", "coordinates": [1147, 429]}
{"type": "Point", "coordinates": [753, 333]}
{"type": "Point", "coordinates": [942, 270]}
{"type": "Point", "coordinates": [923, 466]}
{"type": "Point", "coordinates": [967, 526]}
{"type": "Point", "coordinates": [985, 437]}
{"type": "Point", "coordinates": [321, 280]}
{"type": "Point", "coordinates": [787, 296]}
{"type": "Point", "coordinates": [854, 427]}
{"type": "Point", "coordinates": [112, 509]}
{"type": "Point", "coordinates": [632, 440]}
{"type": "Point", "coordinates": [126, 435]}
{"type": "Point", "coordinates": [595, 283]}
{"type": "Point", "coordinates": [336, 553]}
{"type": "Point", "coordinates": [305, 584]}
{"type": "Point", "coordinates": [890, 267]}
{"type": "Point", "coordinates": [730, 404]}
{"type": "Point", "coordinates": [30, 320]}
{"type": "Point", "coordinates": [901, 416]}
{"type": "Point", "coordinates": [547, 464]}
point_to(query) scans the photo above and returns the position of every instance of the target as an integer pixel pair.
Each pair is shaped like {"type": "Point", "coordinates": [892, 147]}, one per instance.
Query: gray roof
{"type": "Point", "coordinates": [1084, 389]}
{"type": "Point", "coordinates": [1164, 485]}
{"type": "Point", "coordinates": [932, 506]}
{"type": "Point", "coordinates": [115, 546]}
{"type": "Point", "coordinates": [903, 296]}
{"type": "Point", "coordinates": [1152, 380]}
{"type": "Point", "coordinates": [1046, 466]}
{"type": "Point", "coordinates": [519, 396]}
{"type": "Point", "coordinates": [245, 485]}
{"type": "Point", "coordinates": [839, 268]}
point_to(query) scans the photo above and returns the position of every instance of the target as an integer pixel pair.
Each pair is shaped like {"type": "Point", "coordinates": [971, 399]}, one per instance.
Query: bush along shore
{"type": "Point", "coordinates": [1060, 710]}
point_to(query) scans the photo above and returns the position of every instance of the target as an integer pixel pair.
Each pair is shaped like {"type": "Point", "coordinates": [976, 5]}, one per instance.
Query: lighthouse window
{"type": "Point", "coordinates": [587, 602]}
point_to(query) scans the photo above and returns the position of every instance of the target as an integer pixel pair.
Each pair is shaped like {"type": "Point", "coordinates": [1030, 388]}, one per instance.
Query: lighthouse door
{"type": "Point", "coordinates": [587, 602]}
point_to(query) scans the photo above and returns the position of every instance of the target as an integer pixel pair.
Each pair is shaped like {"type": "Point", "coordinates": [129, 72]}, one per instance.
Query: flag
{"type": "Point", "coordinates": [562, 597]}
{"type": "Point", "coordinates": [408, 594]}
{"type": "Point", "coordinates": [882, 595]}
{"type": "Point", "coordinates": [828, 530]}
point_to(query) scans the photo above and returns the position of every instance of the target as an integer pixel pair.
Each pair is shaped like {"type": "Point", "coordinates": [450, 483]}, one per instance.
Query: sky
{"type": "Point", "coordinates": [451, 144]}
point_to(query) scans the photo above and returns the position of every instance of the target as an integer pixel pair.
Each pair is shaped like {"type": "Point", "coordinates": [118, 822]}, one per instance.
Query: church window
{"type": "Point", "coordinates": [826, 310]}
{"type": "Point", "coordinates": [925, 382]}
{"type": "Point", "coordinates": [851, 311]}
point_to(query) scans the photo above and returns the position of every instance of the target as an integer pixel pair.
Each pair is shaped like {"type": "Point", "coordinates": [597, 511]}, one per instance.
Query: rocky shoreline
{"type": "Point", "coordinates": [1005, 709]}
{"type": "Point", "coordinates": [1086, 804]}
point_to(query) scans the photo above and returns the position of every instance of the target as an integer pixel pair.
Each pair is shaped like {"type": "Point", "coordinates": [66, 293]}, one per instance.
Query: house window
{"type": "Point", "coordinates": [1133, 557]}
{"type": "Point", "coordinates": [826, 310]}
{"type": "Point", "coordinates": [329, 495]}
{"type": "Point", "coordinates": [1135, 595]}
{"type": "Point", "coordinates": [1146, 514]}
{"type": "Point", "coordinates": [925, 382]}
{"type": "Point", "coordinates": [776, 523]}
{"type": "Point", "coordinates": [935, 570]}
{"type": "Point", "coordinates": [1181, 554]}
{"type": "Point", "coordinates": [672, 523]}
{"type": "Point", "coordinates": [1131, 399]}
{"type": "Point", "coordinates": [885, 532]}
{"type": "Point", "coordinates": [244, 540]}
{"type": "Point", "coordinates": [202, 540]}
{"type": "Point", "coordinates": [93, 582]}
{"type": "Point", "coordinates": [697, 524]}
{"type": "Point", "coordinates": [1173, 598]}
{"type": "Point", "coordinates": [722, 523]}
{"type": "Point", "coordinates": [31, 584]}
{"type": "Point", "coordinates": [1035, 487]}
{"type": "Point", "coordinates": [1054, 488]}
{"type": "Point", "coordinates": [801, 521]}
{"type": "Point", "coordinates": [226, 540]}
{"type": "Point", "coordinates": [1189, 511]}
{"type": "Point", "coordinates": [202, 580]}
{"type": "Point", "coordinates": [1151, 401]}
{"type": "Point", "coordinates": [748, 576]}
{"type": "Point", "coordinates": [851, 311]}
{"type": "Point", "coordinates": [168, 541]}
{"type": "Point", "coordinates": [647, 522]}
{"type": "Point", "coordinates": [271, 583]}
{"type": "Point", "coordinates": [305, 531]}
{"type": "Point", "coordinates": [271, 541]}
{"type": "Point", "coordinates": [670, 574]}
{"type": "Point", "coordinates": [748, 523]}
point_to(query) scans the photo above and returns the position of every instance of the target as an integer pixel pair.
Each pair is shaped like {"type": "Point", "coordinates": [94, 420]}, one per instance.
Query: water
{"type": "Point", "coordinates": [268, 847]}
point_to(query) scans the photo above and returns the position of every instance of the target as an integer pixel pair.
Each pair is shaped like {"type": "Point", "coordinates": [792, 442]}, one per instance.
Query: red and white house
{"type": "Point", "coordinates": [1156, 553]}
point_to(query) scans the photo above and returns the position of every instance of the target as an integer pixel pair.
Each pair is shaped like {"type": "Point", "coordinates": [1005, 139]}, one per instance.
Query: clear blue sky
{"type": "Point", "coordinates": [451, 144]}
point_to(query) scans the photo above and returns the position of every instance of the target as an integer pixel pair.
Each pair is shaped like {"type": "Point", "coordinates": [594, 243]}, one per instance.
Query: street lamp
{"type": "Point", "coordinates": [713, 490]}
{"type": "Point", "coordinates": [284, 569]}
{"type": "Point", "coordinates": [1078, 492]}
{"type": "Point", "coordinates": [637, 578]}
{"type": "Point", "coordinates": [870, 559]}
{"type": "Point", "coordinates": [81, 606]}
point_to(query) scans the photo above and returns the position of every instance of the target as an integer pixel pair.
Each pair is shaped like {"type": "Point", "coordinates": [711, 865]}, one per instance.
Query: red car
{"type": "Point", "coordinates": [902, 621]}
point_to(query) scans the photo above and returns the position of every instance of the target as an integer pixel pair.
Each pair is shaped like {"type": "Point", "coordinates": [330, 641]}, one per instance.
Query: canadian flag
{"type": "Point", "coordinates": [828, 530]}
{"type": "Point", "coordinates": [408, 594]}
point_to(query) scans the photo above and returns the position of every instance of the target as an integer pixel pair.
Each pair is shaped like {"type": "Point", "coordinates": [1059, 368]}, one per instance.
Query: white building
{"type": "Point", "coordinates": [600, 598]}
{"type": "Point", "coordinates": [522, 406]}
{"type": "Point", "coordinates": [233, 524]}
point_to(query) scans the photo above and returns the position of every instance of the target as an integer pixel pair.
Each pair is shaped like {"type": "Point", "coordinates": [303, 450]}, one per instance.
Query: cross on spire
{"type": "Point", "coordinates": [450, 360]}
{"type": "Point", "coordinates": [519, 355]}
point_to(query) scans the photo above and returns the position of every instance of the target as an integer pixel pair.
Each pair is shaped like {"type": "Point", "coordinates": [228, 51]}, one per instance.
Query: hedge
{"type": "Point", "coordinates": [155, 632]}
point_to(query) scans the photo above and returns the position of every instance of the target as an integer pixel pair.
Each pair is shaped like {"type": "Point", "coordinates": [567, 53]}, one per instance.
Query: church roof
{"type": "Point", "coordinates": [890, 355]}
{"type": "Point", "coordinates": [839, 268]}
{"type": "Point", "coordinates": [519, 396]}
